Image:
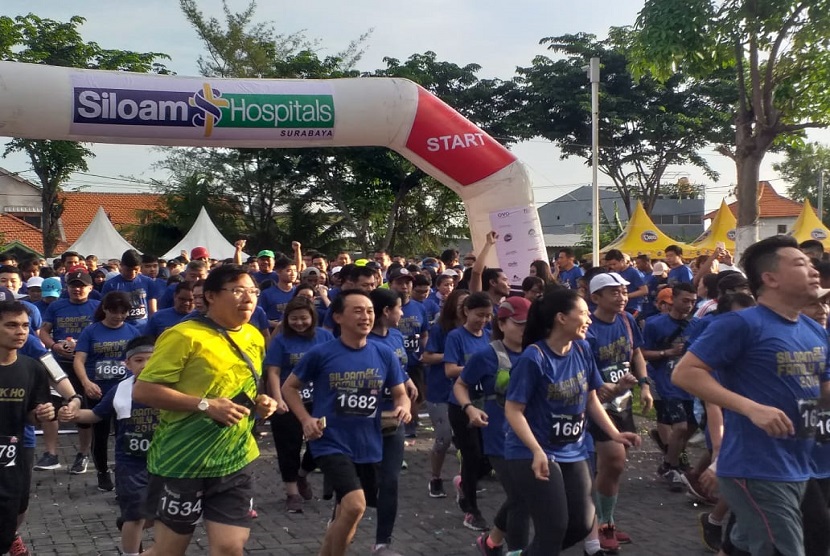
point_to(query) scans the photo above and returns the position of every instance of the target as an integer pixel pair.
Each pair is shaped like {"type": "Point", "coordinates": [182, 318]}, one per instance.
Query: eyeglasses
{"type": "Point", "coordinates": [240, 291]}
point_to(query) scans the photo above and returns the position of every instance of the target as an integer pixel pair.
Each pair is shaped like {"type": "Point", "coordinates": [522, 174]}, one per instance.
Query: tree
{"type": "Point", "coordinates": [36, 40]}
{"type": "Point", "coordinates": [802, 167]}
{"type": "Point", "coordinates": [778, 54]}
{"type": "Point", "coordinates": [645, 126]}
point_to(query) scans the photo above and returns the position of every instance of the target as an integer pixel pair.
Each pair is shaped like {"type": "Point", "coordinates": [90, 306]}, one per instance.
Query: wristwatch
{"type": "Point", "coordinates": [203, 404]}
{"type": "Point", "coordinates": [662, 353]}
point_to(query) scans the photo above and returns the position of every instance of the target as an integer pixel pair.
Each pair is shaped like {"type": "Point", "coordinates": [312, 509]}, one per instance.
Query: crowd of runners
{"type": "Point", "coordinates": [536, 386]}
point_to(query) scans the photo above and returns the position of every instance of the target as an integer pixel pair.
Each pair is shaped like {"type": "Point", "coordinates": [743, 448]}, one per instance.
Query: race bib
{"type": "Point", "coordinates": [566, 429]}
{"type": "Point", "coordinates": [307, 393]}
{"type": "Point", "coordinates": [136, 444]}
{"type": "Point", "coordinates": [412, 343]}
{"type": "Point", "coordinates": [671, 364]}
{"type": "Point", "coordinates": [357, 402]}
{"type": "Point", "coordinates": [180, 507]}
{"type": "Point", "coordinates": [477, 395]}
{"type": "Point", "coordinates": [138, 302]}
{"type": "Point", "coordinates": [813, 421]}
{"type": "Point", "coordinates": [110, 370]}
{"type": "Point", "coordinates": [8, 451]}
{"type": "Point", "coordinates": [612, 374]}
{"type": "Point", "coordinates": [823, 427]}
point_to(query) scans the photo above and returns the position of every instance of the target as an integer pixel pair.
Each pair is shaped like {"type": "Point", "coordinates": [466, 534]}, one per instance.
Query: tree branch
{"type": "Point", "coordinates": [773, 56]}
{"type": "Point", "coordinates": [798, 127]}
{"type": "Point", "coordinates": [758, 101]}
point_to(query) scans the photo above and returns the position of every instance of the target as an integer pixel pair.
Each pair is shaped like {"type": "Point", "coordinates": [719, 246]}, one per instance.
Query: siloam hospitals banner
{"type": "Point", "coordinates": [520, 241]}
{"type": "Point", "coordinates": [201, 108]}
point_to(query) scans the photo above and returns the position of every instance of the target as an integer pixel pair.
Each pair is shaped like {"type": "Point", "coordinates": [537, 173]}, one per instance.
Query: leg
{"type": "Point", "coordinates": [443, 436]}
{"type": "Point", "coordinates": [512, 518]}
{"type": "Point", "coordinates": [100, 438]}
{"type": "Point", "coordinates": [226, 540]}
{"type": "Point", "coordinates": [610, 467]}
{"type": "Point", "coordinates": [288, 441]}
{"type": "Point", "coordinates": [468, 441]}
{"type": "Point", "coordinates": [50, 436]}
{"type": "Point", "coordinates": [131, 533]}
{"type": "Point", "coordinates": [546, 503]}
{"type": "Point", "coordinates": [816, 520]}
{"type": "Point", "coordinates": [341, 531]}
{"type": "Point", "coordinates": [576, 478]}
{"type": "Point", "coordinates": [167, 541]}
{"type": "Point", "coordinates": [389, 473]}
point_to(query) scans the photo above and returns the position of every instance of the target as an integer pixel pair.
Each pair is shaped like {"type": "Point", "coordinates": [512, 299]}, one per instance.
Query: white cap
{"type": "Point", "coordinates": [449, 272]}
{"type": "Point", "coordinates": [605, 280]}
{"type": "Point", "coordinates": [659, 269]}
{"type": "Point", "coordinates": [34, 282]}
{"type": "Point", "coordinates": [336, 269]}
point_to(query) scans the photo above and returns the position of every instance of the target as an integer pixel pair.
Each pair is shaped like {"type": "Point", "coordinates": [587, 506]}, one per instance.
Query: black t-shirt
{"type": "Point", "coordinates": [23, 385]}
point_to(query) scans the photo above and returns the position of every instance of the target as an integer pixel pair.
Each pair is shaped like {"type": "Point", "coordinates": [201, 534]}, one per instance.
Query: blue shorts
{"type": "Point", "coordinates": [674, 411]}
{"type": "Point", "coordinates": [131, 490]}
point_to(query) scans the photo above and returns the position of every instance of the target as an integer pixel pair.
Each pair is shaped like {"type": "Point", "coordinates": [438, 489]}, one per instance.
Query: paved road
{"type": "Point", "coordinates": [68, 516]}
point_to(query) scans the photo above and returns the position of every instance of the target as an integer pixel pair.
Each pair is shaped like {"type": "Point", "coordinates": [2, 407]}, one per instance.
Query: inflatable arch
{"type": "Point", "coordinates": [47, 102]}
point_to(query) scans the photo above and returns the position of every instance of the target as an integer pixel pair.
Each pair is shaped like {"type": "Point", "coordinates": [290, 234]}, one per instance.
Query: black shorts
{"type": "Point", "coordinates": [346, 476]}
{"type": "Point", "coordinates": [624, 421]}
{"type": "Point", "coordinates": [416, 373]}
{"type": "Point", "coordinates": [131, 490]}
{"type": "Point", "coordinates": [79, 389]}
{"type": "Point", "coordinates": [179, 503]}
{"type": "Point", "coordinates": [672, 412]}
{"type": "Point", "coordinates": [27, 462]}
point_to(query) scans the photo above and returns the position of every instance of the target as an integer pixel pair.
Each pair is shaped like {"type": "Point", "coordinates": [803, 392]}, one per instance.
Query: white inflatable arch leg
{"type": "Point", "coordinates": [47, 102]}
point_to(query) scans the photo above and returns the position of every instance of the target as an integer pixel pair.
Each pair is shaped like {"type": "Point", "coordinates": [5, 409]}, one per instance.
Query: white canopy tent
{"type": "Point", "coordinates": [203, 233]}
{"type": "Point", "coordinates": [101, 239]}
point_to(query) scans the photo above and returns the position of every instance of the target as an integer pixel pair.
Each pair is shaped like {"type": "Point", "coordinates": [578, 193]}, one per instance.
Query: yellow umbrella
{"type": "Point", "coordinates": [642, 237]}
{"type": "Point", "coordinates": [809, 226]}
{"type": "Point", "coordinates": [722, 229]}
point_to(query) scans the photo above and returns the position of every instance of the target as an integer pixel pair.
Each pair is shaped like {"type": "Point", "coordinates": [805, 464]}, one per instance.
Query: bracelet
{"type": "Point", "coordinates": [465, 406]}
{"type": "Point", "coordinates": [642, 381]}
{"type": "Point", "coordinates": [78, 397]}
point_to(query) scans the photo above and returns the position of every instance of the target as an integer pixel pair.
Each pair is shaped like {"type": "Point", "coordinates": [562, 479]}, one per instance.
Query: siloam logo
{"type": "Point", "coordinates": [730, 235]}
{"type": "Point", "coordinates": [295, 115]}
{"type": "Point", "coordinates": [818, 234]}
{"type": "Point", "coordinates": [649, 236]}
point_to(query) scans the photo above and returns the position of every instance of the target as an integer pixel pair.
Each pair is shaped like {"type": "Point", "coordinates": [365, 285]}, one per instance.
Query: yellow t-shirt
{"type": "Point", "coordinates": [195, 359]}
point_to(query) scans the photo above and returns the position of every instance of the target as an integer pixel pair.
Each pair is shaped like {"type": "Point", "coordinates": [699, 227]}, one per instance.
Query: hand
{"type": "Point", "coordinates": [322, 291]}
{"type": "Point", "coordinates": [709, 482]}
{"type": "Point", "coordinates": [92, 390]}
{"type": "Point", "coordinates": [239, 244]}
{"type": "Point", "coordinates": [411, 389]}
{"type": "Point", "coordinates": [646, 399]}
{"type": "Point", "coordinates": [44, 412]}
{"type": "Point", "coordinates": [607, 392]}
{"type": "Point", "coordinates": [402, 414]}
{"type": "Point", "coordinates": [674, 351]}
{"type": "Point", "coordinates": [491, 238]}
{"type": "Point", "coordinates": [477, 417]}
{"type": "Point", "coordinates": [183, 253]}
{"type": "Point", "coordinates": [60, 349]}
{"type": "Point", "coordinates": [295, 245]}
{"type": "Point", "coordinates": [225, 412]}
{"type": "Point", "coordinates": [312, 429]}
{"type": "Point", "coordinates": [265, 406]}
{"type": "Point", "coordinates": [726, 258]}
{"type": "Point", "coordinates": [67, 413]}
{"type": "Point", "coordinates": [771, 420]}
{"type": "Point", "coordinates": [628, 439]}
{"type": "Point", "coordinates": [541, 466]}
{"type": "Point", "coordinates": [282, 407]}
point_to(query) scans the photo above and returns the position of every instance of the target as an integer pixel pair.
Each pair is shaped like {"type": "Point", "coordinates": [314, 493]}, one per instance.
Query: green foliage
{"type": "Point", "coordinates": [609, 230]}
{"type": "Point", "coordinates": [802, 167]}
{"type": "Point", "coordinates": [36, 40]}
{"type": "Point", "coordinates": [645, 126]}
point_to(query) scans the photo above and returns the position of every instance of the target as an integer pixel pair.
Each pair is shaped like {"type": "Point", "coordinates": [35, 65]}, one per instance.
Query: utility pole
{"type": "Point", "coordinates": [593, 75]}
{"type": "Point", "coordinates": [821, 194]}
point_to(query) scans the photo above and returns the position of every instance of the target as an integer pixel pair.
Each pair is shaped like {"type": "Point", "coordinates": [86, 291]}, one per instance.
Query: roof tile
{"type": "Point", "coordinates": [771, 204]}
{"type": "Point", "coordinates": [122, 208]}
{"type": "Point", "coordinates": [13, 228]}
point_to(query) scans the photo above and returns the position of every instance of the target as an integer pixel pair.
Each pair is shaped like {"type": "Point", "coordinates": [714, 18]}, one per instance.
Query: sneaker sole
{"type": "Point", "coordinates": [47, 467]}
{"type": "Point", "coordinates": [440, 495]}
{"type": "Point", "coordinates": [702, 529]}
{"type": "Point", "coordinates": [475, 528]}
{"type": "Point", "coordinates": [76, 472]}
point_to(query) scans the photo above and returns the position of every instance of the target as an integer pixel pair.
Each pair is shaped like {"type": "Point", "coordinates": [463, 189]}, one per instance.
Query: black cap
{"type": "Point", "coordinates": [400, 273]}
{"type": "Point", "coordinates": [79, 276]}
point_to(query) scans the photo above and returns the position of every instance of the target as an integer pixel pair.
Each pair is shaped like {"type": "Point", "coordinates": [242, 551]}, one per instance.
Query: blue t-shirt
{"type": "Point", "coordinates": [612, 344]}
{"type": "Point", "coordinates": [162, 320]}
{"type": "Point", "coordinates": [663, 332]}
{"type": "Point", "coordinates": [32, 348]}
{"type": "Point", "coordinates": [635, 282]}
{"type": "Point", "coordinates": [259, 319]}
{"type": "Point", "coordinates": [273, 300]}
{"type": "Point", "coordinates": [41, 306]}
{"type": "Point", "coordinates": [141, 290]}
{"type": "Point", "coordinates": [135, 423]}
{"type": "Point", "coordinates": [286, 351]}
{"type": "Point", "coordinates": [432, 308]}
{"type": "Point", "coordinates": [482, 373]}
{"type": "Point", "coordinates": [554, 390]}
{"type": "Point", "coordinates": [569, 277]}
{"type": "Point", "coordinates": [347, 388]}
{"type": "Point", "coordinates": [165, 296]}
{"type": "Point", "coordinates": [104, 348]}
{"type": "Point", "coordinates": [460, 346]}
{"type": "Point", "coordinates": [413, 324]}
{"type": "Point", "coordinates": [678, 275]}
{"type": "Point", "coordinates": [775, 362]}
{"type": "Point", "coordinates": [69, 319]}
{"type": "Point", "coordinates": [393, 340]}
{"type": "Point", "coordinates": [259, 277]}
{"type": "Point", "coordinates": [438, 384]}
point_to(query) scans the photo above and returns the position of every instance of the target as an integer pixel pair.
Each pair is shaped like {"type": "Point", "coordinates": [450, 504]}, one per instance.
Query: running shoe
{"type": "Point", "coordinates": [675, 480]}
{"type": "Point", "coordinates": [460, 501]}
{"type": "Point", "coordinates": [476, 522]}
{"type": "Point", "coordinates": [694, 491]}
{"type": "Point", "coordinates": [607, 538]}
{"type": "Point", "coordinates": [655, 436]}
{"type": "Point", "coordinates": [18, 548]}
{"type": "Point", "coordinates": [294, 504]}
{"type": "Point", "coordinates": [697, 439]}
{"type": "Point", "coordinates": [304, 488]}
{"type": "Point", "coordinates": [384, 550]}
{"type": "Point", "coordinates": [47, 462]}
{"type": "Point", "coordinates": [79, 465]}
{"type": "Point", "coordinates": [663, 468]}
{"type": "Point", "coordinates": [404, 465]}
{"type": "Point", "coordinates": [622, 538]}
{"type": "Point", "coordinates": [436, 488]}
{"type": "Point", "coordinates": [485, 550]}
{"type": "Point", "coordinates": [599, 552]}
{"type": "Point", "coordinates": [105, 482]}
{"type": "Point", "coordinates": [711, 535]}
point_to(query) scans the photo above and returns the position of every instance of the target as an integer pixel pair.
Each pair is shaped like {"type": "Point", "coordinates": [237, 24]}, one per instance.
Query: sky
{"type": "Point", "coordinates": [497, 35]}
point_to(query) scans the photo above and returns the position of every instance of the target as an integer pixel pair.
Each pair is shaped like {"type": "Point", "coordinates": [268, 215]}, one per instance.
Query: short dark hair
{"type": "Point", "coordinates": [531, 282]}
{"type": "Point", "coordinates": [726, 301]}
{"type": "Point", "coordinates": [9, 269]}
{"type": "Point", "coordinates": [339, 304]}
{"type": "Point", "coordinates": [488, 276]}
{"type": "Point", "coordinates": [676, 249]}
{"type": "Point", "coordinates": [421, 280]}
{"type": "Point", "coordinates": [221, 275]}
{"type": "Point", "coordinates": [383, 298]}
{"type": "Point", "coordinates": [761, 257]}
{"type": "Point", "coordinates": [569, 252]}
{"type": "Point", "coordinates": [149, 259]}
{"type": "Point", "coordinates": [614, 255]}
{"type": "Point", "coordinates": [299, 303]}
{"type": "Point", "coordinates": [12, 307]}
{"type": "Point", "coordinates": [710, 283]}
{"type": "Point", "coordinates": [478, 300]}
{"type": "Point", "coordinates": [811, 244]}
{"type": "Point", "coordinates": [131, 258]}
{"type": "Point", "coordinates": [448, 256]}
{"type": "Point", "coordinates": [682, 287]}
{"type": "Point", "coordinates": [112, 301]}
{"type": "Point", "coordinates": [282, 263]}
{"type": "Point", "coordinates": [66, 254]}
{"type": "Point", "coordinates": [360, 271]}
{"type": "Point", "coordinates": [183, 287]}
{"type": "Point", "coordinates": [731, 280]}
